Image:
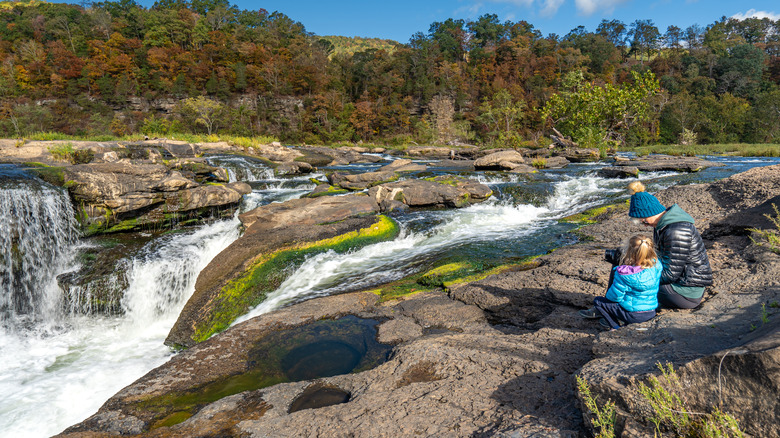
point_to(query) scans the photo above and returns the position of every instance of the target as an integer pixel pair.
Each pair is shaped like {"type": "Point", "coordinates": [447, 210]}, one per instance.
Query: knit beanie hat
{"type": "Point", "coordinates": [643, 204]}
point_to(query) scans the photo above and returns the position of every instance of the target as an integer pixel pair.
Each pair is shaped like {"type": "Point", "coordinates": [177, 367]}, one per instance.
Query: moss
{"type": "Point", "coordinates": [332, 191]}
{"type": "Point", "coordinates": [596, 214]}
{"type": "Point", "coordinates": [525, 264]}
{"type": "Point", "coordinates": [268, 271]}
{"type": "Point", "coordinates": [446, 180]}
{"type": "Point", "coordinates": [437, 276]}
{"type": "Point", "coordinates": [51, 174]}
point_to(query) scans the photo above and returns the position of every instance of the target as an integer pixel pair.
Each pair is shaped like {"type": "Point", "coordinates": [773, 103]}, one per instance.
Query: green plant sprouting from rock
{"type": "Point", "coordinates": [770, 237]}
{"type": "Point", "coordinates": [603, 417]}
{"type": "Point", "coordinates": [671, 412]}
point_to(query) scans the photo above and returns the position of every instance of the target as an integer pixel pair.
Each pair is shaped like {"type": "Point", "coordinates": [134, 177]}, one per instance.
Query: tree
{"type": "Point", "coordinates": [673, 37]}
{"type": "Point", "coordinates": [502, 114]}
{"type": "Point", "coordinates": [644, 37]}
{"type": "Point", "coordinates": [600, 114]}
{"type": "Point", "coordinates": [203, 111]}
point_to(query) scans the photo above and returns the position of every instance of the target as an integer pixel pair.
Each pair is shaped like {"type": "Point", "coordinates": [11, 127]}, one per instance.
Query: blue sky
{"type": "Point", "coordinates": [400, 19]}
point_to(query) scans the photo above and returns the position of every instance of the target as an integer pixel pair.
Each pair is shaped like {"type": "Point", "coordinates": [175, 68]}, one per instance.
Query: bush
{"type": "Point", "coordinates": [770, 237]}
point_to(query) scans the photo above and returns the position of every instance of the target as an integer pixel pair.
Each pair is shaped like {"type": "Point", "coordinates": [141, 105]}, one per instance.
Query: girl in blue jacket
{"type": "Point", "coordinates": [633, 295]}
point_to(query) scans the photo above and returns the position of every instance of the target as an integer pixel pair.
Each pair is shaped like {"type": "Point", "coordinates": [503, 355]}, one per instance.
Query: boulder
{"type": "Point", "coordinates": [524, 168]}
{"type": "Point", "coordinates": [278, 238]}
{"type": "Point", "coordinates": [403, 165]}
{"type": "Point", "coordinates": [199, 170]}
{"type": "Point", "coordinates": [293, 168]}
{"type": "Point", "coordinates": [658, 163]}
{"type": "Point", "coordinates": [361, 181]}
{"type": "Point", "coordinates": [429, 151]}
{"type": "Point", "coordinates": [275, 152]}
{"type": "Point", "coordinates": [577, 155]}
{"type": "Point", "coordinates": [130, 196]}
{"type": "Point", "coordinates": [442, 191]}
{"type": "Point", "coordinates": [506, 160]}
{"type": "Point", "coordinates": [618, 172]}
{"type": "Point", "coordinates": [306, 212]}
{"type": "Point", "coordinates": [340, 156]}
{"type": "Point", "coordinates": [552, 162]}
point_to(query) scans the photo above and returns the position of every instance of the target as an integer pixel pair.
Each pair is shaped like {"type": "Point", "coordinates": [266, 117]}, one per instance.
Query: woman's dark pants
{"type": "Point", "coordinates": [669, 299]}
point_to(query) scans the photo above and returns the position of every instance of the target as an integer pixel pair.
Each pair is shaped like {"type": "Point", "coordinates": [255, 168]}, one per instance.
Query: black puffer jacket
{"type": "Point", "coordinates": [681, 250]}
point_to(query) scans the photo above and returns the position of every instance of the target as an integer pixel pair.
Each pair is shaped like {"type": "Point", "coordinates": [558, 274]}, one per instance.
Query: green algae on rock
{"type": "Point", "coordinates": [216, 308]}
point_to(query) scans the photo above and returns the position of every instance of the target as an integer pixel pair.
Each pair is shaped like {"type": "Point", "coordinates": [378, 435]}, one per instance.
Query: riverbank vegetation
{"type": "Point", "coordinates": [115, 68]}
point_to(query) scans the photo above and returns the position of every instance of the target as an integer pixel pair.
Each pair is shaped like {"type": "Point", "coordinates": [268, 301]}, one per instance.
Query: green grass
{"type": "Point", "coordinates": [738, 149]}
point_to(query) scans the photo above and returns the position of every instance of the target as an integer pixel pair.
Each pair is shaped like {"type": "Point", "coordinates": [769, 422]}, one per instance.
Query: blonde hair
{"type": "Point", "coordinates": [636, 187]}
{"type": "Point", "coordinates": [639, 252]}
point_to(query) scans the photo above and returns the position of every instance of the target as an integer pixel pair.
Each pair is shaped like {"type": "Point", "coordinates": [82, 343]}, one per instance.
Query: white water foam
{"type": "Point", "coordinates": [37, 230]}
{"type": "Point", "coordinates": [54, 377]}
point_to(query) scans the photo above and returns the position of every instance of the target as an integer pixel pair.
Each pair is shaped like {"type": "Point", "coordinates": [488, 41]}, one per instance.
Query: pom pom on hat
{"type": "Point", "coordinates": [643, 204]}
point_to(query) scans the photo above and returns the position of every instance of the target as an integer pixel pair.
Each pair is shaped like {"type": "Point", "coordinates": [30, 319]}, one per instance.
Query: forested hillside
{"type": "Point", "coordinates": [206, 66]}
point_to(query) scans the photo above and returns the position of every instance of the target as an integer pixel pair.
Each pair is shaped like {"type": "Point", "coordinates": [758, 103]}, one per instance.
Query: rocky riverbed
{"type": "Point", "coordinates": [490, 356]}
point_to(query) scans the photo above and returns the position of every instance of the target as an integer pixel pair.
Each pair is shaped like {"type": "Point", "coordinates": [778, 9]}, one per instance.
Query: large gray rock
{"type": "Point", "coordinates": [444, 191]}
{"type": "Point", "coordinates": [577, 155]}
{"type": "Point", "coordinates": [403, 165]}
{"type": "Point", "coordinates": [137, 195]}
{"type": "Point", "coordinates": [505, 160]}
{"type": "Point", "coordinates": [657, 163]}
{"type": "Point", "coordinates": [361, 181]}
{"type": "Point", "coordinates": [618, 172]}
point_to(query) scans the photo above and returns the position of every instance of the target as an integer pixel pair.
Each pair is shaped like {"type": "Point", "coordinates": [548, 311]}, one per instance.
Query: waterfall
{"type": "Point", "coordinates": [242, 168]}
{"type": "Point", "coordinates": [37, 231]}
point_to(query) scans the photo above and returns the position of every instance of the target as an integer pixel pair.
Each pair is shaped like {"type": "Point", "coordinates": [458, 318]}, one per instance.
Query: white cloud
{"type": "Point", "coordinates": [525, 3]}
{"type": "Point", "coordinates": [589, 7]}
{"type": "Point", "coordinates": [752, 13]}
{"type": "Point", "coordinates": [469, 10]}
{"type": "Point", "coordinates": [550, 7]}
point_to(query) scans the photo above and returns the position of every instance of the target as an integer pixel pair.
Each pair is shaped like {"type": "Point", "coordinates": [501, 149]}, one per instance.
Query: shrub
{"type": "Point", "coordinates": [62, 152]}
{"type": "Point", "coordinates": [671, 412]}
{"type": "Point", "coordinates": [539, 163]}
{"type": "Point", "coordinates": [771, 237]}
{"type": "Point", "coordinates": [603, 417]}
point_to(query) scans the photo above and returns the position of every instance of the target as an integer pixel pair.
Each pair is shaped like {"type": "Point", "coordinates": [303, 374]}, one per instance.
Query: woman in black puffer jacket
{"type": "Point", "coordinates": [679, 246]}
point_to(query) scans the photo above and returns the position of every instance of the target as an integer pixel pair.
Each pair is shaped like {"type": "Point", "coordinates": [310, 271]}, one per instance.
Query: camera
{"type": "Point", "coordinates": [613, 256]}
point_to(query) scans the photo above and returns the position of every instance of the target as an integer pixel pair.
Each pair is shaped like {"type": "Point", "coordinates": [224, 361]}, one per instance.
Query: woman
{"type": "Point", "coordinates": [686, 268]}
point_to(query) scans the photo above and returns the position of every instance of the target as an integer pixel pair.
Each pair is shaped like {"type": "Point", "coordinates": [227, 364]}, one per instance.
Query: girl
{"type": "Point", "coordinates": [633, 295]}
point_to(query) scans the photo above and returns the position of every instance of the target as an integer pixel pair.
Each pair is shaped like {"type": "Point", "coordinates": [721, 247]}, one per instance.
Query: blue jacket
{"type": "Point", "coordinates": [637, 292]}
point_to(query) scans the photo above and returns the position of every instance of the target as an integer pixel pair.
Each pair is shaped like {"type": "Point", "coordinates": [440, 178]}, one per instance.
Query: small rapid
{"type": "Point", "coordinates": [453, 231]}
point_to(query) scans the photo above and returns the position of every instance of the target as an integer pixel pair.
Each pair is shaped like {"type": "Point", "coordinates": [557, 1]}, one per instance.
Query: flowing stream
{"type": "Point", "coordinates": [58, 367]}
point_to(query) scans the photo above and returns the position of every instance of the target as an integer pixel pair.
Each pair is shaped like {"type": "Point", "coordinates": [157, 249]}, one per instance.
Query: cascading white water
{"type": "Point", "coordinates": [242, 169]}
{"type": "Point", "coordinates": [326, 273]}
{"type": "Point", "coordinates": [37, 230]}
{"type": "Point", "coordinates": [62, 374]}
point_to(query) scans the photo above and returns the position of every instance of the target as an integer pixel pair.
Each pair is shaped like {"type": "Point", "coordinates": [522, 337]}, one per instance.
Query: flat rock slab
{"type": "Point", "coordinates": [658, 163]}
{"type": "Point", "coordinates": [505, 160]}
{"type": "Point", "coordinates": [619, 172]}
{"type": "Point", "coordinates": [463, 380]}
{"type": "Point", "coordinates": [437, 192]}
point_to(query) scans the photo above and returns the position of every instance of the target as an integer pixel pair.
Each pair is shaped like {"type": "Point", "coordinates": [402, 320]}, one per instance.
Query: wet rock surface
{"type": "Point", "coordinates": [656, 163]}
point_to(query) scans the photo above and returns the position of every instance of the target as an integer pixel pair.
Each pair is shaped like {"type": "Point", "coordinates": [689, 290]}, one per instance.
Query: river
{"type": "Point", "coordinates": [59, 366]}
